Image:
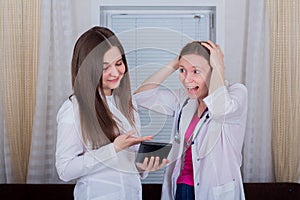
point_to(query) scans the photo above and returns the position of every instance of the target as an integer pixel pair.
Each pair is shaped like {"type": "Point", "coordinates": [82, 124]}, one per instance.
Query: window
{"type": "Point", "coordinates": [152, 36]}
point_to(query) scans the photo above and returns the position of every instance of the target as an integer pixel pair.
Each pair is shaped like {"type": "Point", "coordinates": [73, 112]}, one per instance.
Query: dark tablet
{"type": "Point", "coordinates": [148, 149]}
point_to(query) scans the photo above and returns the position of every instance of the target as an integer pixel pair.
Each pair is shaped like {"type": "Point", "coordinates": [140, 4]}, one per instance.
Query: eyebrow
{"type": "Point", "coordinates": [107, 63]}
{"type": "Point", "coordinates": [192, 66]}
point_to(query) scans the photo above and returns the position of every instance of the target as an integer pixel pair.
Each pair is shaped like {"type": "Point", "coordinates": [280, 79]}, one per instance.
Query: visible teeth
{"type": "Point", "coordinates": [192, 89]}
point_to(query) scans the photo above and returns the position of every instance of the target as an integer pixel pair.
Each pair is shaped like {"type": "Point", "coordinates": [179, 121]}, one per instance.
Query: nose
{"type": "Point", "coordinates": [188, 78]}
{"type": "Point", "coordinates": [114, 71]}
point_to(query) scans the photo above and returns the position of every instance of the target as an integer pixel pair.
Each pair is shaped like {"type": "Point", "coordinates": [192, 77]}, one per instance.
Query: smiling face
{"type": "Point", "coordinates": [194, 73]}
{"type": "Point", "coordinates": [113, 70]}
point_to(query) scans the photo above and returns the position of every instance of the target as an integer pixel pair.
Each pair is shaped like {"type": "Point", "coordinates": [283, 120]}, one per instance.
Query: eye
{"type": "Point", "coordinates": [181, 70]}
{"type": "Point", "coordinates": [105, 68]}
{"type": "Point", "coordinates": [196, 71]}
{"type": "Point", "coordinates": [119, 63]}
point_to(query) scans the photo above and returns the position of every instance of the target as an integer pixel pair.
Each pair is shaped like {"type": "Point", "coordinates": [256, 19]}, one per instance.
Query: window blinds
{"type": "Point", "coordinates": [150, 41]}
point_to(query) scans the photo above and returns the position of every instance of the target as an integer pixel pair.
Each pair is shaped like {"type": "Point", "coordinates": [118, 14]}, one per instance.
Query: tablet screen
{"type": "Point", "coordinates": [149, 149]}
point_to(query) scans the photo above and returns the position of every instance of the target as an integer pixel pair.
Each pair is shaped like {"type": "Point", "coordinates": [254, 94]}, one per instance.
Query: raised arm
{"type": "Point", "coordinates": [158, 77]}
{"type": "Point", "coordinates": [217, 63]}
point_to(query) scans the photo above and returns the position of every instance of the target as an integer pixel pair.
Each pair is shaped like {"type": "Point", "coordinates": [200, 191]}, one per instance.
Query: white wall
{"type": "Point", "coordinates": [82, 10]}
{"type": "Point", "coordinates": [233, 30]}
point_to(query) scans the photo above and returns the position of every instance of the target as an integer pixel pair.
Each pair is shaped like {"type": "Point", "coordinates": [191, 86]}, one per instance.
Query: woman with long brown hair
{"type": "Point", "coordinates": [98, 125]}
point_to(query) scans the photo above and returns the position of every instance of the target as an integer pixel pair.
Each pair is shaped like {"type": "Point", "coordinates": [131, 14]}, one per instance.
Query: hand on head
{"type": "Point", "coordinates": [174, 63]}
{"type": "Point", "coordinates": [216, 54]}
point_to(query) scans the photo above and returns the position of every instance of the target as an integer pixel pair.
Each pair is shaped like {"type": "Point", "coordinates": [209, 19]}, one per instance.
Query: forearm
{"type": "Point", "coordinates": [217, 79]}
{"type": "Point", "coordinates": [217, 64]}
{"type": "Point", "coordinates": [158, 77]}
{"type": "Point", "coordinates": [70, 168]}
{"type": "Point", "coordinates": [71, 160]}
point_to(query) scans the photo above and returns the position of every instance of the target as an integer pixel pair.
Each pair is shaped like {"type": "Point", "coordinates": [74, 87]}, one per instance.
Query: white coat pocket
{"type": "Point", "coordinates": [223, 192]}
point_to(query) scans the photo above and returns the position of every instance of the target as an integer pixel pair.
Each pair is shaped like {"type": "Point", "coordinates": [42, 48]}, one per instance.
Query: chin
{"type": "Point", "coordinates": [193, 96]}
{"type": "Point", "coordinates": [197, 96]}
{"type": "Point", "coordinates": [114, 86]}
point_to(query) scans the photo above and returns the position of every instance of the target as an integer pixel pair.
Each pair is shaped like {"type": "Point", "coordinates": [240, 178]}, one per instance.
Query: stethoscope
{"type": "Point", "coordinates": [177, 135]}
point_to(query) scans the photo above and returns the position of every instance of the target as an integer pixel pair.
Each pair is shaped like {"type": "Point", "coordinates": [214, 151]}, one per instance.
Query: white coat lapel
{"type": "Point", "coordinates": [211, 138]}
{"type": "Point", "coordinates": [185, 120]}
{"type": "Point", "coordinates": [186, 117]}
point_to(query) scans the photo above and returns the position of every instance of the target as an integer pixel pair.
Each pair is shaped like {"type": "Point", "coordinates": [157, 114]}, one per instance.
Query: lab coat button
{"type": "Point", "coordinates": [198, 159]}
{"type": "Point", "coordinates": [198, 184]}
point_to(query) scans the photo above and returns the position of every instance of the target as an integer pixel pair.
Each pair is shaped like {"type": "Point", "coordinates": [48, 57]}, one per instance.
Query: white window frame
{"type": "Point", "coordinates": [97, 5]}
{"type": "Point", "coordinates": [107, 11]}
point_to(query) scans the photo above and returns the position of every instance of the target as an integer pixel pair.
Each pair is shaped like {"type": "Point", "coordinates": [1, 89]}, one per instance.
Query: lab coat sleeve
{"type": "Point", "coordinates": [164, 101]}
{"type": "Point", "coordinates": [228, 104]}
{"type": "Point", "coordinates": [71, 160]}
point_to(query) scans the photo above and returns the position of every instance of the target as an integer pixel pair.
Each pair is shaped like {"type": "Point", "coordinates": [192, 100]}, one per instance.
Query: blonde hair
{"type": "Point", "coordinates": [196, 48]}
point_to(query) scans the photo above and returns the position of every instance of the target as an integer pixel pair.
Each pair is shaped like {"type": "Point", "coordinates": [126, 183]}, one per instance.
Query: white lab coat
{"type": "Point", "coordinates": [99, 174]}
{"type": "Point", "coordinates": [217, 150]}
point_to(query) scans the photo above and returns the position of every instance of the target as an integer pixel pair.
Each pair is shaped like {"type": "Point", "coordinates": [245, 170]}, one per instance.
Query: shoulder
{"type": "Point", "coordinates": [237, 86]}
{"type": "Point", "coordinates": [239, 93]}
{"type": "Point", "coordinates": [238, 89]}
{"type": "Point", "coordinates": [182, 95]}
{"type": "Point", "coordinates": [65, 113]}
{"type": "Point", "coordinates": [133, 100]}
{"type": "Point", "coordinates": [135, 105]}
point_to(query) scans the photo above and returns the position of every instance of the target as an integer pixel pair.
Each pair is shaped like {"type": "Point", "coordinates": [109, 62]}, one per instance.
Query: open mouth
{"type": "Point", "coordinates": [192, 90]}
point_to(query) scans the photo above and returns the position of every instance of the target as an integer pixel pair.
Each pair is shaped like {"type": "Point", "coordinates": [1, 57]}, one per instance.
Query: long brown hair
{"type": "Point", "coordinates": [98, 125]}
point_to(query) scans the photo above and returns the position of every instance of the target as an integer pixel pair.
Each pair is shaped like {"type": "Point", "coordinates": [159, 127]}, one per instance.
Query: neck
{"type": "Point", "coordinates": [107, 92]}
{"type": "Point", "coordinates": [201, 107]}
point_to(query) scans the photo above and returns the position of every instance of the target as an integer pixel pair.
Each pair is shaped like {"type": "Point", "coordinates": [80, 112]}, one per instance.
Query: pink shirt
{"type": "Point", "coordinates": [186, 175]}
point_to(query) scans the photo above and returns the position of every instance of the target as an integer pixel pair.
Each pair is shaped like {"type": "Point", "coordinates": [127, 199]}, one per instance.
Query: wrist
{"type": "Point", "coordinates": [173, 64]}
{"type": "Point", "coordinates": [139, 167]}
{"type": "Point", "coordinates": [117, 148]}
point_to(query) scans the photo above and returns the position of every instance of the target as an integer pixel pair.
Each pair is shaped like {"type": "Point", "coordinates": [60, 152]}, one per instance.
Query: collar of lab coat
{"type": "Point", "coordinates": [211, 136]}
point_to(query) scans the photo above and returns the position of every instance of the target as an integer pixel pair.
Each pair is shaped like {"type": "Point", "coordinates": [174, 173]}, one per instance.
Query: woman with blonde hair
{"type": "Point", "coordinates": [209, 125]}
